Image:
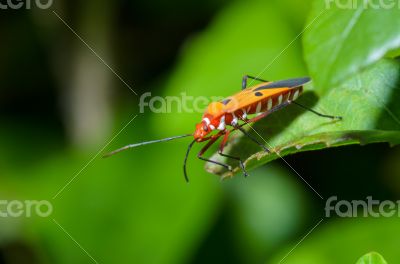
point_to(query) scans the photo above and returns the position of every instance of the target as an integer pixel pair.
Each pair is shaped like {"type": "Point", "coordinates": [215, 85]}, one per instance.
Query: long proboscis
{"type": "Point", "coordinates": [144, 143]}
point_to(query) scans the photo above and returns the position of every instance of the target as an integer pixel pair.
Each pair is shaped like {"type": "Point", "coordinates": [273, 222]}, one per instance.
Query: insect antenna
{"type": "Point", "coordinates": [186, 157]}
{"type": "Point", "coordinates": [143, 143]}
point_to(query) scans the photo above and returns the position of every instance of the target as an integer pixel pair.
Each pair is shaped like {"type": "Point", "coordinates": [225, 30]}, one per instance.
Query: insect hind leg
{"type": "Point", "coordinates": [244, 80]}
{"type": "Point", "coordinates": [317, 113]}
{"type": "Point", "coordinates": [253, 139]}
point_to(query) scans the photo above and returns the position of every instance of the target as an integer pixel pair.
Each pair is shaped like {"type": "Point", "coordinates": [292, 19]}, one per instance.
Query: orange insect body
{"type": "Point", "coordinates": [262, 100]}
{"type": "Point", "coordinates": [253, 100]}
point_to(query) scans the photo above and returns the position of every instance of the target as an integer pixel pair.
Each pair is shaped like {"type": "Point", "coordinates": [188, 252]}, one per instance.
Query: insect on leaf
{"type": "Point", "coordinates": [367, 103]}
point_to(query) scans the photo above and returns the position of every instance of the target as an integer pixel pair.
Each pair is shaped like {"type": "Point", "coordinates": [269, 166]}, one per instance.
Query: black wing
{"type": "Point", "coordinates": [290, 83]}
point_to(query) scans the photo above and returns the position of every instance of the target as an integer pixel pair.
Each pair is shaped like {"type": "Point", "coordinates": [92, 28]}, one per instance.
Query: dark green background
{"type": "Point", "coordinates": [136, 207]}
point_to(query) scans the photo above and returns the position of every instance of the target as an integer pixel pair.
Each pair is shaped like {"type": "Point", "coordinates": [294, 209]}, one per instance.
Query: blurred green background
{"type": "Point", "coordinates": [60, 106]}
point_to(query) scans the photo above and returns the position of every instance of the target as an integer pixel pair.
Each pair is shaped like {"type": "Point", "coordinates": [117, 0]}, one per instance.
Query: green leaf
{"type": "Point", "coordinates": [341, 41]}
{"type": "Point", "coordinates": [336, 241]}
{"type": "Point", "coordinates": [372, 258]}
{"type": "Point", "coordinates": [367, 103]}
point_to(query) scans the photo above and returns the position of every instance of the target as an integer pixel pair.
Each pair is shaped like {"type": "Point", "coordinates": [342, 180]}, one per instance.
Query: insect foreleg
{"type": "Point", "coordinates": [205, 148]}
{"type": "Point", "coordinates": [221, 149]}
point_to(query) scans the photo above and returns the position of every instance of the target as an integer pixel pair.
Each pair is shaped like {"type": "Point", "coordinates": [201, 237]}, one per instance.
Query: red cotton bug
{"type": "Point", "coordinates": [230, 114]}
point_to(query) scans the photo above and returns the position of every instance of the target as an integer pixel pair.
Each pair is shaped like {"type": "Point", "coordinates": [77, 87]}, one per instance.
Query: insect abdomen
{"type": "Point", "coordinates": [260, 106]}
{"type": "Point", "coordinates": [270, 102]}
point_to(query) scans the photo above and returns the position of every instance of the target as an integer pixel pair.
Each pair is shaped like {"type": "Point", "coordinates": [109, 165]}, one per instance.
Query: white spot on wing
{"type": "Point", "coordinates": [280, 99]}
{"type": "Point", "coordinates": [222, 123]}
{"type": "Point", "coordinates": [258, 110]}
{"type": "Point", "coordinates": [269, 104]}
{"type": "Point", "coordinates": [207, 121]}
{"type": "Point", "coordinates": [244, 115]}
{"type": "Point", "coordinates": [234, 120]}
{"type": "Point", "coordinates": [296, 94]}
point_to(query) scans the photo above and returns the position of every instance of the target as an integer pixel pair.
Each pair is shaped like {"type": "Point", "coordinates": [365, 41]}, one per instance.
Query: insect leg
{"type": "Point", "coordinates": [317, 113]}
{"type": "Point", "coordinates": [253, 139]}
{"type": "Point", "coordinates": [221, 149]}
{"type": "Point", "coordinates": [244, 81]}
{"type": "Point", "coordinates": [255, 119]}
{"type": "Point", "coordinates": [205, 148]}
